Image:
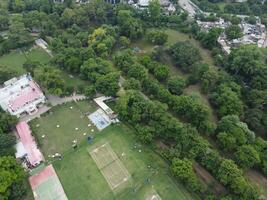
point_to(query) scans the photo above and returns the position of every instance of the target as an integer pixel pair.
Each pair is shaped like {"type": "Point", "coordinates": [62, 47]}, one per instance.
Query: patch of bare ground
{"type": "Point", "coordinates": [209, 180]}
{"type": "Point", "coordinates": [258, 179]}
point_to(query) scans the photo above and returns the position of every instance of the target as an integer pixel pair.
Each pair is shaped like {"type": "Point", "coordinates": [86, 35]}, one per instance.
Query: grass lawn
{"type": "Point", "coordinates": [78, 172]}
{"type": "Point", "coordinates": [15, 60]}
{"type": "Point", "coordinates": [144, 45]}
{"type": "Point", "coordinates": [3, 4]}
{"type": "Point", "coordinates": [60, 139]}
{"type": "Point", "coordinates": [173, 37]}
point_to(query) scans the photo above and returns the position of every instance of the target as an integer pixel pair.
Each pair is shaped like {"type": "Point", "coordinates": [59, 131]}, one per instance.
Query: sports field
{"type": "Point", "coordinates": [109, 165]}
{"type": "Point", "coordinates": [46, 185]}
{"type": "Point", "coordinates": [81, 176]}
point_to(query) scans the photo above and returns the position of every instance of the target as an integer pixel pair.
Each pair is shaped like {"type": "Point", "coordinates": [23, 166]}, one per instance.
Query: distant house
{"type": "Point", "coordinates": [26, 147]}
{"type": "Point", "coordinates": [21, 96]}
{"type": "Point", "coordinates": [58, 1]}
{"type": "Point", "coordinates": [166, 4]}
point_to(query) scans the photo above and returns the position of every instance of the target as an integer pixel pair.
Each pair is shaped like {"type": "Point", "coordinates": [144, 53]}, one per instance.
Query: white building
{"type": "Point", "coordinates": [166, 4]}
{"type": "Point", "coordinates": [100, 101]}
{"type": "Point", "coordinates": [21, 96]}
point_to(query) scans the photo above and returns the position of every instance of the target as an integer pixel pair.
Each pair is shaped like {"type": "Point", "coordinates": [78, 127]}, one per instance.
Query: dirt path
{"type": "Point", "coordinates": [258, 179]}
{"type": "Point", "coordinates": [209, 180]}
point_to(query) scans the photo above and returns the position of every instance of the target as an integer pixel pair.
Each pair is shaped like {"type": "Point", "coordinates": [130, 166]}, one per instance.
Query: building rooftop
{"type": "Point", "coordinates": [34, 155]}
{"type": "Point", "coordinates": [18, 94]}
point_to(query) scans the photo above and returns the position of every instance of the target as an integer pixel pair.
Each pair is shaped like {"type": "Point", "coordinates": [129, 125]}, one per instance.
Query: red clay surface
{"type": "Point", "coordinates": [42, 176]}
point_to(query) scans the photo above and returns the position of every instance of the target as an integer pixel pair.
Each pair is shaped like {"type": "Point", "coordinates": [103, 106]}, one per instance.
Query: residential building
{"type": "Point", "coordinates": [21, 96]}
{"type": "Point", "coordinates": [26, 147]}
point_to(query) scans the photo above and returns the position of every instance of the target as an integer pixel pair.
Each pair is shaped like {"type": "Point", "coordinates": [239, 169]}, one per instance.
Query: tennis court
{"type": "Point", "coordinates": [46, 185]}
{"type": "Point", "coordinates": [153, 195]}
{"type": "Point", "coordinates": [110, 165]}
{"type": "Point", "coordinates": [99, 119]}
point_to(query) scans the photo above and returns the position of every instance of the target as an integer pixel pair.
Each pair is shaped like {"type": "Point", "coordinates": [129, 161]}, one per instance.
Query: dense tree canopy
{"type": "Point", "coordinates": [10, 172]}
{"type": "Point", "coordinates": [185, 54]}
{"type": "Point", "coordinates": [232, 133]}
{"type": "Point", "coordinates": [176, 84]}
{"type": "Point", "coordinates": [246, 156]}
{"type": "Point", "coordinates": [129, 26]}
{"type": "Point", "coordinates": [233, 32]}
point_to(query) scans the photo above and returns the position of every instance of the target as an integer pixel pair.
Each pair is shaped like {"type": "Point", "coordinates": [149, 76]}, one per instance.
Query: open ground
{"type": "Point", "coordinates": [78, 172]}
{"type": "Point", "coordinates": [15, 60]}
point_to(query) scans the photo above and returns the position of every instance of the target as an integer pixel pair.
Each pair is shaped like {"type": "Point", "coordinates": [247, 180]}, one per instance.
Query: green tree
{"type": "Point", "coordinates": [185, 55]}
{"type": "Point", "coordinates": [176, 85]}
{"type": "Point", "coordinates": [7, 122]}
{"type": "Point", "coordinates": [31, 65]}
{"type": "Point", "coordinates": [183, 170]}
{"type": "Point", "coordinates": [90, 91]}
{"type": "Point", "coordinates": [129, 26]}
{"type": "Point", "coordinates": [228, 172]}
{"type": "Point", "coordinates": [124, 60]}
{"type": "Point", "coordinates": [233, 133]}
{"type": "Point", "coordinates": [246, 156]}
{"type": "Point", "coordinates": [157, 37]}
{"type": "Point", "coordinates": [124, 42]}
{"type": "Point", "coordinates": [132, 84]}
{"type": "Point", "coordinates": [138, 72]}
{"type": "Point", "coordinates": [227, 101]}
{"type": "Point", "coordinates": [92, 69]}
{"type": "Point", "coordinates": [246, 62]}
{"type": "Point", "coordinates": [51, 79]}
{"type": "Point", "coordinates": [6, 73]}
{"type": "Point", "coordinates": [233, 32]}
{"type": "Point", "coordinates": [154, 11]}
{"type": "Point", "coordinates": [209, 79]}
{"type": "Point", "coordinates": [209, 40]}
{"type": "Point", "coordinates": [108, 84]}
{"type": "Point", "coordinates": [10, 173]}
{"type": "Point", "coordinates": [161, 72]}
{"type": "Point", "coordinates": [7, 142]}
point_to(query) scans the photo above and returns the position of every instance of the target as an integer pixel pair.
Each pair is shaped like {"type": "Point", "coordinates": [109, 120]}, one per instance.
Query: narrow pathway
{"type": "Point", "coordinates": [54, 101]}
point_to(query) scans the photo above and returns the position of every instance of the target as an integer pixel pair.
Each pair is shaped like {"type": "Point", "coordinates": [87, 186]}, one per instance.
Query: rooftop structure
{"type": "Point", "coordinates": [100, 101]}
{"type": "Point", "coordinates": [143, 4]}
{"type": "Point", "coordinates": [252, 34]}
{"type": "Point", "coordinates": [26, 147]}
{"type": "Point", "coordinates": [206, 26]}
{"type": "Point", "coordinates": [43, 44]}
{"type": "Point", "coordinates": [21, 96]}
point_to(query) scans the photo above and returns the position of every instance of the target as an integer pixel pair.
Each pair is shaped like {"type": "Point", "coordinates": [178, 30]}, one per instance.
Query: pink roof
{"type": "Point", "coordinates": [33, 153]}
{"type": "Point", "coordinates": [42, 176]}
{"type": "Point", "coordinates": [33, 92]}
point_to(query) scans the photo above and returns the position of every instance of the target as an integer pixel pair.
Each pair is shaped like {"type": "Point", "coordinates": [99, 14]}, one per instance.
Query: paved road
{"type": "Point", "coordinates": [53, 100]}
